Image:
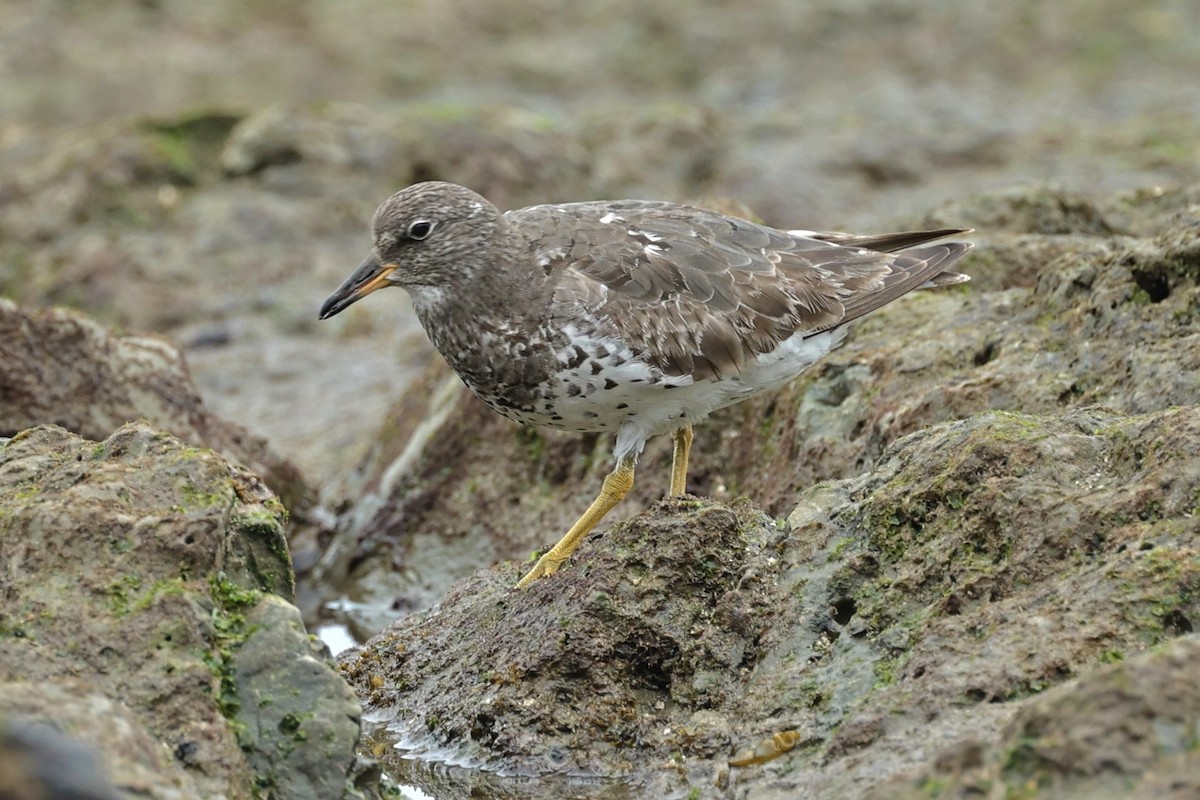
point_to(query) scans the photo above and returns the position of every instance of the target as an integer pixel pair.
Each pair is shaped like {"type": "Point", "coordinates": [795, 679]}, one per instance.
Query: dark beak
{"type": "Point", "coordinates": [369, 276]}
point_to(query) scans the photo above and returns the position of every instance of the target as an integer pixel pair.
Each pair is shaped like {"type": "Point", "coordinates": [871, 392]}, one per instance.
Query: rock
{"type": "Point", "coordinates": [116, 170]}
{"type": "Point", "coordinates": [294, 710]}
{"type": "Point", "coordinates": [1124, 731]}
{"type": "Point", "coordinates": [1044, 210]}
{"type": "Point", "coordinates": [509, 155]}
{"type": "Point", "coordinates": [136, 570]}
{"type": "Point", "coordinates": [667, 150]}
{"type": "Point", "coordinates": [59, 367]}
{"type": "Point", "coordinates": [74, 739]}
{"type": "Point", "coordinates": [339, 137]}
{"type": "Point", "coordinates": [927, 603]}
{"type": "Point", "coordinates": [512, 156]}
{"type": "Point", "coordinates": [37, 761]}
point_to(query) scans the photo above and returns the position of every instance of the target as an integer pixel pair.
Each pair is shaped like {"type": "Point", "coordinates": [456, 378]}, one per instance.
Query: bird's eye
{"type": "Point", "coordinates": [419, 229]}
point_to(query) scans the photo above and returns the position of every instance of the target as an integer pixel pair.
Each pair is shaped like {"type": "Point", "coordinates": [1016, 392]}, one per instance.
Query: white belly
{"type": "Point", "coordinates": [619, 393]}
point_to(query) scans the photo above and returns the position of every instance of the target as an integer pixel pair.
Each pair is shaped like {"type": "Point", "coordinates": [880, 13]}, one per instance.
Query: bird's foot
{"type": "Point", "coordinates": [546, 566]}
{"type": "Point", "coordinates": [615, 487]}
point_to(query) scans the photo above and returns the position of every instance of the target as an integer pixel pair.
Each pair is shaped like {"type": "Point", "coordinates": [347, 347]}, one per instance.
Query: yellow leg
{"type": "Point", "coordinates": [679, 463]}
{"type": "Point", "coordinates": [616, 486]}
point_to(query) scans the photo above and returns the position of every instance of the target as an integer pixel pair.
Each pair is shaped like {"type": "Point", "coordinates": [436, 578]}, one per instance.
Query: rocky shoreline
{"type": "Point", "coordinates": [956, 559]}
{"type": "Point", "coordinates": [891, 590]}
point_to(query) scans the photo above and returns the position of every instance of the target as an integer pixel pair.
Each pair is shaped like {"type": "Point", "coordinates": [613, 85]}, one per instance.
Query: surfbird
{"type": "Point", "coordinates": [633, 317]}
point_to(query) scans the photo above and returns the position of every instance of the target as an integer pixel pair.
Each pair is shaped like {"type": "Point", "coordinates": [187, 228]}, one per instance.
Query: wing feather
{"type": "Point", "coordinates": [698, 293]}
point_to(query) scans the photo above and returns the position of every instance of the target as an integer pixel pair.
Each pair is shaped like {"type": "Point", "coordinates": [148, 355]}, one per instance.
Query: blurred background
{"type": "Point", "coordinates": [208, 171]}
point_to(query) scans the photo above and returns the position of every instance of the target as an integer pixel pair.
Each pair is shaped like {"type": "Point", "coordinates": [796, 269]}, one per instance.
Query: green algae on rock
{"type": "Point", "coordinates": [979, 564]}
{"type": "Point", "coordinates": [156, 575]}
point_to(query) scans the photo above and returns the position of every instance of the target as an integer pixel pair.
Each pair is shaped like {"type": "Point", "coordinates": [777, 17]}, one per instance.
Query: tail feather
{"type": "Point", "coordinates": [915, 268]}
{"type": "Point", "coordinates": [889, 242]}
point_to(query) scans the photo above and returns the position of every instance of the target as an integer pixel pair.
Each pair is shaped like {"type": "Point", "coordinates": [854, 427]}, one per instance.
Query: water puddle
{"type": "Point", "coordinates": [336, 636]}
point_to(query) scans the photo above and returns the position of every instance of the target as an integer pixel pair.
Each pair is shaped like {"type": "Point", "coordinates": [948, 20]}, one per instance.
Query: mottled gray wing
{"type": "Point", "coordinates": [698, 293]}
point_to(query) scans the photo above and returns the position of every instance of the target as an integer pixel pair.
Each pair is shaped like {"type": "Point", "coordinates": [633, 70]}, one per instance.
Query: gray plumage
{"type": "Point", "coordinates": [630, 316]}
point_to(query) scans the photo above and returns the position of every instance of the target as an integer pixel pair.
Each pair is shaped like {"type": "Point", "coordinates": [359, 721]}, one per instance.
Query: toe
{"type": "Point", "coordinates": [544, 567]}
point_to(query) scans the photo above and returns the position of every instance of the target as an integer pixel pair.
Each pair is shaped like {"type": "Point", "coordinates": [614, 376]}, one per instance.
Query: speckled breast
{"type": "Point", "coordinates": [596, 383]}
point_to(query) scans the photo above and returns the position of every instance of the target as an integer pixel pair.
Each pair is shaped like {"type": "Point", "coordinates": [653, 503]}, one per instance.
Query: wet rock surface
{"type": "Point", "coordinates": [1122, 731]}
{"type": "Point", "coordinates": [147, 581]}
{"type": "Point", "coordinates": [889, 618]}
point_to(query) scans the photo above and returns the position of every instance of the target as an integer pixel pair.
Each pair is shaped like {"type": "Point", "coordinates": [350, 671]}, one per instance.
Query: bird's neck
{"type": "Point", "coordinates": [493, 314]}
{"type": "Point", "coordinates": [502, 358]}
{"type": "Point", "coordinates": [493, 294]}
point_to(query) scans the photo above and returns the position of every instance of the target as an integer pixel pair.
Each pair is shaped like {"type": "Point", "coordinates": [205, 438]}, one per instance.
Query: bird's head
{"type": "Point", "coordinates": [429, 238]}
